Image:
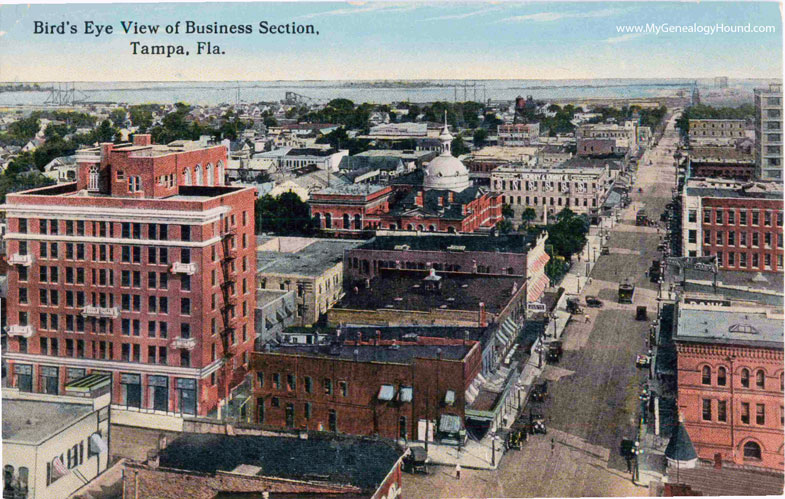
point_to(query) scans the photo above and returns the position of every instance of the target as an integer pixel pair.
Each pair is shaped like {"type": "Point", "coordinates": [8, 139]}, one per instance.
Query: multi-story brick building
{"type": "Point", "coordinates": [739, 223]}
{"type": "Point", "coordinates": [730, 382]}
{"type": "Point", "coordinates": [625, 135]}
{"type": "Point", "coordinates": [582, 189]}
{"type": "Point", "coordinates": [721, 162]}
{"type": "Point", "coordinates": [716, 132]}
{"type": "Point", "coordinates": [519, 134]}
{"type": "Point", "coordinates": [513, 254]}
{"type": "Point", "coordinates": [388, 388]}
{"type": "Point", "coordinates": [143, 269]}
{"type": "Point", "coordinates": [768, 132]}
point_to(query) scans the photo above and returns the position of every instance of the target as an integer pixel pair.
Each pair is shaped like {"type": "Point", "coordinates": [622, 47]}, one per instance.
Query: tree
{"type": "Point", "coordinates": [284, 215]}
{"type": "Point", "coordinates": [507, 211]}
{"type": "Point", "coordinates": [118, 116]}
{"type": "Point", "coordinates": [479, 137]}
{"type": "Point", "coordinates": [528, 215]}
{"type": "Point", "coordinates": [458, 147]}
{"type": "Point", "coordinates": [105, 132]}
{"type": "Point", "coordinates": [568, 234]}
{"type": "Point", "coordinates": [504, 226]}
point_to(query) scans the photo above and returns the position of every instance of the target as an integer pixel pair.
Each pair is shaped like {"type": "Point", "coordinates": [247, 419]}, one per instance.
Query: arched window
{"type": "Point", "coordinates": [23, 478]}
{"type": "Point", "coordinates": [346, 221]}
{"type": "Point", "coordinates": [358, 223]}
{"type": "Point", "coordinates": [318, 220]}
{"type": "Point", "coordinates": [431, 228]}
{"type": "Point", "coordinates": [751, 450]}
{"type": "Point", "coordinates": [328, 221]}
{"type": "Point", "coordinates": [198, 175]}
{"type": "Point", "coordinates": [210, 174]}
{"type": "Point", "coordinates": [8, 474]}
{"type": "Point", "coordinates": [221, 173]}
{"type": "Point", "coordinates": [721, 376]}
{"type": "Point", "coordinates": [420, 228]}
{"type": "Point", "coordinates": [760, 379]}
{"type": "Point", "coordinates": [706, 377]}
{"type": "Point", "coordinates": [451, 230]}
{"type": "Point", "coordinates": [745, 378]}
{"type": "Point", "coordinates": [187, 176]}
{"type": "Point", "coordinates": [409, 227]}
{"type": "Point", "coordinates": [93, 179]}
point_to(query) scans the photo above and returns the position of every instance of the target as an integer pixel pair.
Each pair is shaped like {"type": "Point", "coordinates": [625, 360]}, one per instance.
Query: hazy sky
{"type": "Point", "coordinates": [375, 40]}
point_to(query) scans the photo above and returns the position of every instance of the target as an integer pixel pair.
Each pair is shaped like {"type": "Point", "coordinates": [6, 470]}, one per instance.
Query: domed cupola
{"type": "Point", "coordinates": [446, 172]}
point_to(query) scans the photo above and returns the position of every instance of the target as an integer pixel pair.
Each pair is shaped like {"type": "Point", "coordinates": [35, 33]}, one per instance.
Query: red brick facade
{"type": "Point", "coordinates": [353, 398]}
{"type": "Point", "coordinates": [143, 285]}
{"type": "Point", "coordinates": [745, 234]}
{"type": "Point", "coordinates": [732, 397]}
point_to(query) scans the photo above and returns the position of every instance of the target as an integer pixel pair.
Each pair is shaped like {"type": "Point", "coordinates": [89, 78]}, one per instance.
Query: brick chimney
{"type": "Point", "coordinates": [482, 315]}
{"type": "Point", "coordinates": [143, 139]}
{"type": "Point", "coordinates": [451, 196]}
{"type": "Point", "coordinates": [418, 199]}
{"type": "Point", "coordinates": [440, 200]}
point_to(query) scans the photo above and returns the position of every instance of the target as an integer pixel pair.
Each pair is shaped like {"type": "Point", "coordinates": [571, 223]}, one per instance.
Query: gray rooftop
{"type": "Point", "coordinates": [312, 260]}
{"type": "Point", "coordinates": [32, 421]}
{"type": "Point", "coordinates": [266, 296]}
{"type": "Point", "coordinates": [352, 189]}
{"type": "Point", "coordinates": [734, 326]}
{"type": "Point", "coordinates": [401, 354]}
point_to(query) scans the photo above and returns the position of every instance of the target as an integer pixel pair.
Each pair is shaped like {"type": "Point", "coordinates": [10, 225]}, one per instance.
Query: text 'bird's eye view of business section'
{"type": "Point", "coordinates": [392, 288]}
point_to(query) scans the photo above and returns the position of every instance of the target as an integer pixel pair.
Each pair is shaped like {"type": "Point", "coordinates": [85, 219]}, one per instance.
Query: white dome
{"type": "Point", "coordinates": [446, 172]}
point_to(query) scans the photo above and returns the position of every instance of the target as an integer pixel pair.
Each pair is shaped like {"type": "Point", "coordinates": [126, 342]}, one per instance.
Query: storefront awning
{"type": "Point", "coordinates": [386, 392]}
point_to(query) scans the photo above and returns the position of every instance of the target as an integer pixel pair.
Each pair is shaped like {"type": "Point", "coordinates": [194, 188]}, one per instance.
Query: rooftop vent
{"type": "Point", "coordinates": [743, 328]}
{"type": "Point", "coordinates": [455, 247]}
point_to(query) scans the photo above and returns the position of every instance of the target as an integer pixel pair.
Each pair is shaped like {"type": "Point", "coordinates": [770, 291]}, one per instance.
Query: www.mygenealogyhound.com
{"type": "Point", "coordinates": [707, 29]}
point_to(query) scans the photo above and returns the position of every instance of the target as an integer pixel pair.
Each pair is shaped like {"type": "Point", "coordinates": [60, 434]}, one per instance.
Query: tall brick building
{"type": "Point", "coordinates": [730, 382]}
{"type": "Point", "coordinates": [739, 223]}
{"type": "Point", "coordinates": [143, 269]}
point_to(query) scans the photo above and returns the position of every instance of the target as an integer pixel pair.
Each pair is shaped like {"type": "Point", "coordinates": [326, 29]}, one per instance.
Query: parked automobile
{"type": "Point", "coordinates": [593, 302]}
{"type": "Point", "coordinates": [642, 361]}
{"type": "Point", "coordinates": [538, 424]}
{"type": "Point", "coordinates": [540, 392]}
{"type": "Point", "coordinates": [574, 306]}
{"type": "Point", "coordinates": [555, 351]}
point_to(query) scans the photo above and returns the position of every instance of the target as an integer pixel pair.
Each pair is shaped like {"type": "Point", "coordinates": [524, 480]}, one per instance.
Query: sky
{"type": "Point", "coordinates": [384, 40]}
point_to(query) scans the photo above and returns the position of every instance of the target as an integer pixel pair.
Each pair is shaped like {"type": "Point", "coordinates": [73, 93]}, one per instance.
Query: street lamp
{"type": "Point", "coordinates": [494, 438]}
{"type": "Point", "coordinates": [637, 451]}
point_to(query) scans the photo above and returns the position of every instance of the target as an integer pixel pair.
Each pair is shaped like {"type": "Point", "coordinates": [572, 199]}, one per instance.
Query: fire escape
{"type": "Point", "coordinates": [228, 314]}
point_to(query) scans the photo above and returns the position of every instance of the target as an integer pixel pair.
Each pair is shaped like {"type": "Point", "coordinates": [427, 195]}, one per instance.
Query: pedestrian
{"type": "Point", "coordinates": [553, 444]}
{"type": "Point", "coordinates": [458, 471]}
{"type": "Point", "coordinates": [588, 319]}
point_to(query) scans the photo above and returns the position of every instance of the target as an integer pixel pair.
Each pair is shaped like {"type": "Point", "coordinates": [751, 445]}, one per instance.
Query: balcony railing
{"type": "Point", "coordinates": [184, 343]}
{"type": "Point", "coordinates": [17, 259]}
{"type": "Point", "coordinates": [23, 331]}
{"type": "Point", "coordinates": [183, 268]}
{"type": "Point", "coordinates": [91, 311]}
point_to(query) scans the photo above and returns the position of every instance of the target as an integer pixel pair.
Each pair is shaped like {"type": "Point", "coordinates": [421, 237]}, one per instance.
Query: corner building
{"type": "Point", "coordinates": [142, 269]}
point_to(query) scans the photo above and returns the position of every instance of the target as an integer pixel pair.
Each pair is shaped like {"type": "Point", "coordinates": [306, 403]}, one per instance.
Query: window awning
{"type": "Point", "coordinates": [405, 395]}
{"type": "Point", "coordinates": [386, 392]}
{"type": "Point", "coordinates": [97, 444]}
{"type": "Point", "coordinates": [449, 397]}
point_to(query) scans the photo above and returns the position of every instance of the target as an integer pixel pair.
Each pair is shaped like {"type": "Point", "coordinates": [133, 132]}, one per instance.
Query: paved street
{"type": "Point", "coordinates": [594, 389]}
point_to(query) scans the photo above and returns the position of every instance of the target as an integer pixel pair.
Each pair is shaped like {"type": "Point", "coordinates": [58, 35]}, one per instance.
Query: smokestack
{"type": "Point", "coordinates": [482, 314]}
{"type": "Point", "coordinates": [439, 353]}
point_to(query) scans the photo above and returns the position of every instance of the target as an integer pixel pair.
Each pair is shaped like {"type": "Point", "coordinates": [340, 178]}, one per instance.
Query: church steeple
{"type": "Point", "coordinates": [446, 137]}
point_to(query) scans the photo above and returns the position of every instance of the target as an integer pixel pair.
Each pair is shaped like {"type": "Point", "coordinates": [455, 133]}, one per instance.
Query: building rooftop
{"type": "Point", "coordinates": [729, 325]}
{"type": "Point", "coordinates": [313, 259]}
{"type": "Point", "coordinates": [405, 290]}
{"type": "Point", "coordinates": [364, 463]}
{"type": "Point", "coordinates": [310, 151]}
{"type": "Point", "coordinates": [398, 354]}
{"type": "Point", "coordinates": [352, 189]}
{"type": "Point", "coordinates": [32, 421]}
{"type": "Point", "coordinates": [267, 296]}
{"type": "Point", "coordinates": [512, 243]}
{"type": "Point", "coordinates": [722, 188]}
{"type": "Point", "coordinates": [412, 333]}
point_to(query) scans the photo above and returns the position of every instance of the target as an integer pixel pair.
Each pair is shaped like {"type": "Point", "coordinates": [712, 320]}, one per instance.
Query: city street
{"type": "Point", "coordinates": [594, 389]}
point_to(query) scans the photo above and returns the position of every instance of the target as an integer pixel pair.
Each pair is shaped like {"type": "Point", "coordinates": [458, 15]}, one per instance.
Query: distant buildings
{"type": "Point", "coordinates": [721, 162]}
{"type": "Point", "coordinates": [623, 135]}
{"type": "Point", "coordinates": [208, 466]}
{"type": "Point", "coordinates": [739, 223]}
{"type": "Point", "coordinates": [716, 131]}
{"type": "Point", "coordinates": [142, 269]}
{"type": "Point", "coordinates": [323, 158]}
{"type": "Point", "coordinates": [518, 134]}
{"type": "Point", "coordinates": [730, 381]}
{"type": "Point", "coordinates": [768, 132]}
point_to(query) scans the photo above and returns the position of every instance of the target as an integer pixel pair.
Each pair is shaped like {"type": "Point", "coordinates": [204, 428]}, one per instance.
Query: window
{"type": "Point", "coordinates": [692, 236]}
{"type": "Point", "coordinates": [760, 380]}
{"type": "Point", "coordinates": [692, 215]}
{"type": "Point", "coordinates": [291, 382]}
{"type": "Point", "coordinates": [185, 306]}
{"type": "Point", "coordinates": [328, 386]}
{"type": "Point", "coordinates": [344, 388]}
{"type": "Point", "coordinates": [706, 377]}
{"type": "Point", "coordinates": [731, 217]}
{"type": "Point", "coordinates": [308, 384]}
{"type": "Point", "coordinates": [745, 378]}
{"type": "Point", "coordinates": [307, 410]}
{"type": "Point", "coordinates": [260, 380]}
{"type": "Point", "coordinates": [721, 376]}
{"type": "Point", "coordinates": [751, 450]}
{"type": "Point", "coordinates": [745, 412]}
{"type": "Point", "coordinates": [722, 411]}
{"type": "Point", "coordinates": [185, 232]}
{"type": "Point", "coordinates": [707, 409]}
{"type": "Point", "coordinates": [707, 216]}
{"type": "Point", "coordinates": [277, 381]}
{"type": "Point", "coordinates": [332, 421]}
{"type": "Point", "coordinates": [742, 217]}
{"type": "Point", "coordinates": [760, 414]}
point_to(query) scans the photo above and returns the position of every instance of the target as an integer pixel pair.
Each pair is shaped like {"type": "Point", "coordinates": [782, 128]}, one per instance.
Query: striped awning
{"type": "Point", "coordinates": [537, 288]}
{"type": "Point", "coordinates": [509, 330]}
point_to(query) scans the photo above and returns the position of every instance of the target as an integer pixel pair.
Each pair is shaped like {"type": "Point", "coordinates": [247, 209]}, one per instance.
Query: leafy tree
{"type": "Point", "coordinates": [568, 234]}
{"type": "Point", "coordinates": [142, 116]}
{"type": "Point", "coordinates": [507, 211]}
{"type": "Point", "coordinates": [284, 215]}
{"type": "Point", "coordinates": [702, 111]}
{"type": "Point", "coordinates": [504, 226]}
{"type": "Point", "coordinates": [117, 116]}
{"type": "Point", "coordinates": [529, 215]}
{"type": "Point", "coordinates": [105, 132]}
{"type": "Point", "coordinates": [459, 147]}
{"type": "Point", "coordinates": [22, 175]}
{"type": "Point", "coordinates": [479, 137]}
{"type": "Point", "coordinates": [25, 129]}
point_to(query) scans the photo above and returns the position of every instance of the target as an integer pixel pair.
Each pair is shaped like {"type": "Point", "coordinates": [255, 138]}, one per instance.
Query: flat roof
{"type": "Point", "coordinates": [512, 243]}
{"type": "Point", "coordinates": [313, 260]}
{"type": "Point", "coordinates": [362, 462]}
{"type": "Point", "coordinates": [405, 290]}
{"type": "Point", "coordinates": [732, 325]}
{"type": "Point", "coordinates": [400, 354]}
{"type": "Point", "coordinates": [267, 296]}
{"type": "Point", "coordinates": [33, 421]}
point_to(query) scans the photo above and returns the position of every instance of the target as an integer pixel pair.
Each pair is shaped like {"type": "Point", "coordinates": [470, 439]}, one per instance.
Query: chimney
{"type": "Point", "coordinates": [418, 199]}
{"type": "Point", "coordinates": [378, 337]}
{"type": "Point", "coordinates": [440, 200]}
{"type": "Point", "coordinates": [439, 353]}
{"type": "Point", "coordinates": [143, 139]}
{"type": "Point", "coordinates": [451, 196]}
{"type": "Point", "coordinates": [359, 337]}
{"type": "Point", "coordinates": [356, 354]}
{"type": "Point", "coordinates": [482, 314]}
{"type": "Point", "coordinates": [106, 148]}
